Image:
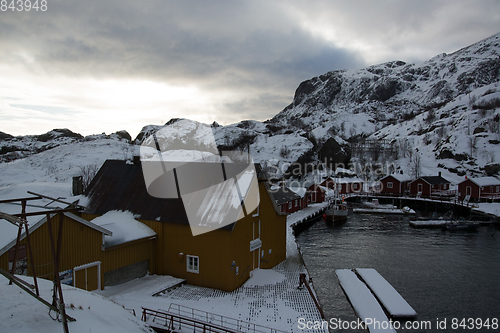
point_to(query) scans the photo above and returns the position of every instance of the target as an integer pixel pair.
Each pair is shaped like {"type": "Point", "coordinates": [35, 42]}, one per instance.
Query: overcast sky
{"type": "Point", "coordinates": [103, 66]}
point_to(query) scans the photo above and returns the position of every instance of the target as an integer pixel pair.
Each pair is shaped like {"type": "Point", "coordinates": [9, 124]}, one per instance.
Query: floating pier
{"type": "Point", "coordinates": [394, 304]}
{"type": "Point", "coordinates": [429, 223]}
{"type": "Point", "coordinates": [383, 211]}
{"type": "Point", "coordinates": [365, 305]}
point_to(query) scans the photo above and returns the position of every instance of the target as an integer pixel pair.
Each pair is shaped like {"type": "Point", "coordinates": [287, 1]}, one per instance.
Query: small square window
{"type": "Point", "coordinates": [389, 185]}
{"type": "Point", "coordinates": [193, 264]}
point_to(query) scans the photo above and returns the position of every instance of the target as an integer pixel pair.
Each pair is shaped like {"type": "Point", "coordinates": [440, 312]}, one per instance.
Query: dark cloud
{"type": "Point", "coordinates": [258, 50]}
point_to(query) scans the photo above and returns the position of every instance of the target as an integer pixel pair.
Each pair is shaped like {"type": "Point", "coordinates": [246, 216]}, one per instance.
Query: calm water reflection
{"type": "Point", "coordinates": [441, 274]}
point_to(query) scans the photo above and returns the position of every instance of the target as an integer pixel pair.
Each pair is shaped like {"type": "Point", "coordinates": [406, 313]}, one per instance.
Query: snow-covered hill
{"type": "Point", "coordinates": [441, 115]}
{"type": "Point", "coordinates": [445, 109]}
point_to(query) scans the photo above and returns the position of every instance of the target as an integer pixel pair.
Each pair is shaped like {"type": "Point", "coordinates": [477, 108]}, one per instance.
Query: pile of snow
{"type": "Point", "coordinates": [21, 313]}
{"type": "Point", "coordinates": [123, 226]}
{"type": "Point", "coordinates": [262, 277]}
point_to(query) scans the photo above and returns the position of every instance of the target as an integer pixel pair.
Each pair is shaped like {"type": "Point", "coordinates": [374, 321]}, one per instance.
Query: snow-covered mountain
{"type": "Point", "coordinates": [445, 109]}
{"type": "Point", "coordinates": [441, 115]}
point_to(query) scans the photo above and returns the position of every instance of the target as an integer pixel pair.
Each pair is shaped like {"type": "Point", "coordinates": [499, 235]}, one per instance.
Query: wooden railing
{"type": "Point", "coordinates": [178, 316]}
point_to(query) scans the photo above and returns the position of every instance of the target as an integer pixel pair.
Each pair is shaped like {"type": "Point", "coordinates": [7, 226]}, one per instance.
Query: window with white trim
{"type": "Point", "coordinates": [389, 185]}
{"type": "Point", "coordinates": [192, 264]}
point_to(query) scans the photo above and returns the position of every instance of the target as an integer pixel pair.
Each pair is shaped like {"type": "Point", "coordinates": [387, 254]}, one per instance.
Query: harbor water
{"type": "Point", "coordinates": [447, 277]}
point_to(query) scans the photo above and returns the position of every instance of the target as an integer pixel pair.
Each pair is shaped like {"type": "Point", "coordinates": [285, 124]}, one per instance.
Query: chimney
{"type": "Point", "coordinates": [77, 185]}
{"type": "Point", "coordinates": [439, 173]}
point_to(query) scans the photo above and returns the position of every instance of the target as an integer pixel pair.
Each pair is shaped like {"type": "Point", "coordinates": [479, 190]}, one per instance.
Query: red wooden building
{"type": "Point", "coordinates": [328, 183]}
{"type": "Point", "coordinates": [317, 193]}
{"type": "Point", "coordinates": [350, 185]}
{"type": "Point", "coordinates": [483, 188]}
{"type": "Point", "coordinates": [287, 200]}
{"type": "Point", "coordinates": [430, 185]}
{"type": "Point", "coordinates": [395, 184]}
{"type": "Point", "coordinates": [303, 194]}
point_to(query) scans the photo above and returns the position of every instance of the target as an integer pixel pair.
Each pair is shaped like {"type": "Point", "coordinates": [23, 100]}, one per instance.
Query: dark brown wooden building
{"type": "Point", "coordinates": [483, 188]}
{"type": "Point", "coordinates": [395, 184]}
{"type": "Point", "coordinates": [430, 185]}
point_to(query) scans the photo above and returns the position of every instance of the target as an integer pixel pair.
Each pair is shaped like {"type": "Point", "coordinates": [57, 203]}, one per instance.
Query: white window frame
{"type": "Point", "coordinates": [85, 268]}
{"type": "Point", "coordinates": [390, 185]}
{"type": "Point", "coordinates": [289, 205]}
{"type": "Point", "coordinates": [195, 268]}
{"type": "Point", "coordinates": [498, 189]}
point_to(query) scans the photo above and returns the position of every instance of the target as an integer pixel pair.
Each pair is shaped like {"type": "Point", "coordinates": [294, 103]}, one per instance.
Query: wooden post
{"type": "Point", "coordinates": [32, 260]}
{"type": "Point", "coordinates": [303, 280]}
{"type": "Point", "coordinates": [55, 255]}
{"type": "Point", "coordinates": [13, 269]}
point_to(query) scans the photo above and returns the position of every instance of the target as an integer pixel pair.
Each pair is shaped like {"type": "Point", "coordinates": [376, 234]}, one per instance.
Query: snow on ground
{"type": "Point", "coordinates": [269, 298]}
{"type": "Point", "coordinates": [60, 164]}
{"type": "Point", "coordinates": [489, 208]}
{"type": "Point", "coordinates": [298, 217]}
{"type": "Point", "coordinates": [21, 313]}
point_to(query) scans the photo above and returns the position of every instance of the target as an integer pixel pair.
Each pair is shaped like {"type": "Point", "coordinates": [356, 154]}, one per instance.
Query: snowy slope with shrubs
{"type": "Point", "coordinates": [439, 115]}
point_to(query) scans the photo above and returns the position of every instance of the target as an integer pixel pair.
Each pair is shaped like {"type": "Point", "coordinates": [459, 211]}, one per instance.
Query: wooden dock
{"type": "Point", "coordinates": [394, 304]}
{"type": "Point", "coordinates": [365, 305]}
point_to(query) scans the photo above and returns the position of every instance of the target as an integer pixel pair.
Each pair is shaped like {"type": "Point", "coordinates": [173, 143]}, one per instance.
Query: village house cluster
{"type": "Point", "coordinates": [124, 233]}
{"type": "Point", "coordinates": [295, 196]}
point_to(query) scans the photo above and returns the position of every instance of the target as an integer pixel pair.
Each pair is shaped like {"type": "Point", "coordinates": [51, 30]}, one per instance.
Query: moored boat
{"type": "Point", "coordinates": [459, 226]}
{"type": "Point", "coordinates": [336, 212]}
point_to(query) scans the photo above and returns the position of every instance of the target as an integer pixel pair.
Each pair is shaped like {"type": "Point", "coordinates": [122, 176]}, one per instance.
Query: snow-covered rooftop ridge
{"type": "Point", "coordinates": [123, 226]}
{"type": "Point", "coordinates": [349, 180]}
{"type": "Point", "coordinates": [485, 181]}
{"type": "Point", "coordinates": [399, 177]}
{"type": "Point", "coordinates": [301, 191]}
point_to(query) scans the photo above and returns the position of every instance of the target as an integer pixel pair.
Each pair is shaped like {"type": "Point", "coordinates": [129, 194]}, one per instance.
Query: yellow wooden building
{"type": "Point", "coordinates": [91, 255]}
{"type": "Point", "coordinates": [223, 258]}
{"type": "Point", "coordinates": [104, 246]}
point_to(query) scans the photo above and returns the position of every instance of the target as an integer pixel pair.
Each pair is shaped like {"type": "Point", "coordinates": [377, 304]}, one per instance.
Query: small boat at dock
{"type": "Point", "coordinates": [336, 212]}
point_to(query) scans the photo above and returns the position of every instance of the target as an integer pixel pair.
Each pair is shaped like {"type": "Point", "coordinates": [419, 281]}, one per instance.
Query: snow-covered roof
{"type": "Point", "coordinates": [301, 191]}
{"type": "Point", "coordinates": [328, 192]}
{"type": "Point", "coordinates": [283, 195]}
{"type": "Point", "coordinates": [485, 181]}
{"type": "Point", "coordinates": [399, 177]}
{"type": "Point", "coordinates": [344, 171]}
{"type": "Point", "coordinates": [350, 180]}
{"type": "Point", "coordinates": [123, 226]}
